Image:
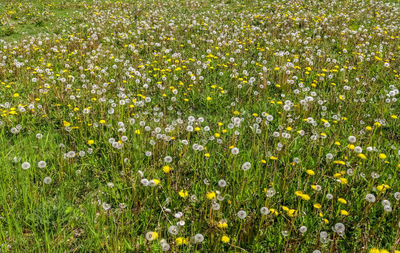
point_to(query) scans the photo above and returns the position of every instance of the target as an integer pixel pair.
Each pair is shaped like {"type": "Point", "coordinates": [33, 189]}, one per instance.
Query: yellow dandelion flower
{"type": "Point", "coordinates": [181, 241]}
{"type": "Point", "coordinates": [310, 172]}
{"type": "Point", "coordinates": [167, 169]}
{"type": "Point", "coordinates": [183, 193]}
{"type": "Point", "coordinates": [362, 156]}
{"type": "Point", "coordinates": [343, 180]}
{"type": "Point", "coordinates": [225, 239]}
{"type": "Point", "coordinates": [211, 195]}
{"type": "Point", "coordinates": [222, 224]}
{"type": "Point", "coordinates": [317, 206]}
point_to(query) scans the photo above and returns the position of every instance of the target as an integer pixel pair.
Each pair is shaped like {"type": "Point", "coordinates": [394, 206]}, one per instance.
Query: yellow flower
{"type": "Point", "coordinates": [211, 195]}
{"type": "Point", "coordinates": [317, 205]}
{"type": "Point", "coordinates": [273, 211]}
{"type": "Point", "coordinates": [181, 240]}
{"type": "Point", "coordinates": [16, 95]}
{"type": "Point", "coordinates": [382, 156]}
{"type": "Point", "coordinates": [183, 193]}
{"type": "Point", "coordinates": [343, 201]}
{"type": "Point", "coordinates": [225, 239]}
{"type": "Point", "coordinates": [362, 156]}
{"type": "Point", "coordinates": [374, 250]}
{"type": "Point", "coordinates": [156, 181]}
{"type": "Point", "coordinates": [310, 172]}
{"type": "Point", "coordinates": [343, 180]}
{"type": "Point", "coordinates": [305, 197]}
{"type": "Point", "coordinates": [344, 212]}
{"type": "Point", "coordinates": [166, 169]}
{"type": "Point", "coordinates": [222, 224]}
{"type": "Point", "coordinates": [291, 212]}
{"type": "Point", "coordinates": [285, 208]}
{"type": "Point", "coordinates": [67, 124]}
{"type": "Point", "coordinates": [298, 193]}
{"type": "Point", "coordinates": [90, 142]}
{"type": "Point", "coordinates": [382, 187]}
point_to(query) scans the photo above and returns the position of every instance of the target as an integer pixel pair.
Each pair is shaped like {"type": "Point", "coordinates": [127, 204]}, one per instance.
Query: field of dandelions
{"type": "Point", "coordinates": [199, 126]}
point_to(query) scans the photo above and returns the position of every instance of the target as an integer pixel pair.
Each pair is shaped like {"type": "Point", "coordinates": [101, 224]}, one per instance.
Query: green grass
{"type": "Point", "coordinates": [104, 92]}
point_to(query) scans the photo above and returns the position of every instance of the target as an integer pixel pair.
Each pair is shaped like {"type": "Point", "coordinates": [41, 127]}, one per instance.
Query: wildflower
{"type": "Point", "coordinates": [344, 212]}
{"type": "Point", "coordinates": [235, 151]}
{"type": "Point", "coordinates": [167, 169]}
{"type": "Point", "coordinates": [339, 228]}
{"type": "Point", "coordinates": [303, 229]}
{"type": "Point", "coordinates": [165, 246]}
{"type": "Point", "coordinates": [382, 156]}
{"type": "Point", "coordinates": [47, 180]}
{"type": "Point", "coordinates": [168, 159]}
{"type": "Point", "coordinates": [222, 224]}
{"type": "Point", "coordinates": [310, 172]}
{"type": "Point", "coordinates": [221, 183]}
{"type": "Point", "coordinates": [182, 240]}
{"type": "Point", "coordinates": [382, 187]}
{"type": "Point", "coordinates": [291, 212]}
{"type": "Point", "coordinates": [225, 239]}
{"type": "Point", "coordinates": [341, 200]}
{"type": "Point", "coordinates": [362, 156]}
{"type": "Point", "coordinates": [150, 236]}
{"type": "Point", "coordinates": [156, 181]}
{"type": "Point", "coordinates": [42, 164]}
{"type": "Point", "coordinates": [211, 195]}
{"type": "Point", "coordinates": [25, 165]}
{"type": "Point", "coordinates": [246, 166]}
{"type": "Point", "coordinates": [370, 198]}
{"type": "Point", "coordinates": [241, 214]}
{"type": "Point", "coordinates": [317, 206]}
{"type": "Point", "coordinates": [183, 193]}
{"type": "Point", "coordinates": [90, 142]}
{"type": "Point", "coordinates": [264, 210]}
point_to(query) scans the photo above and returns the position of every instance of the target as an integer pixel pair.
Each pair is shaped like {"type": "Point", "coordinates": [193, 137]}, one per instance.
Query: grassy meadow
{"type": "Point", "coordinates": [199, 126]}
